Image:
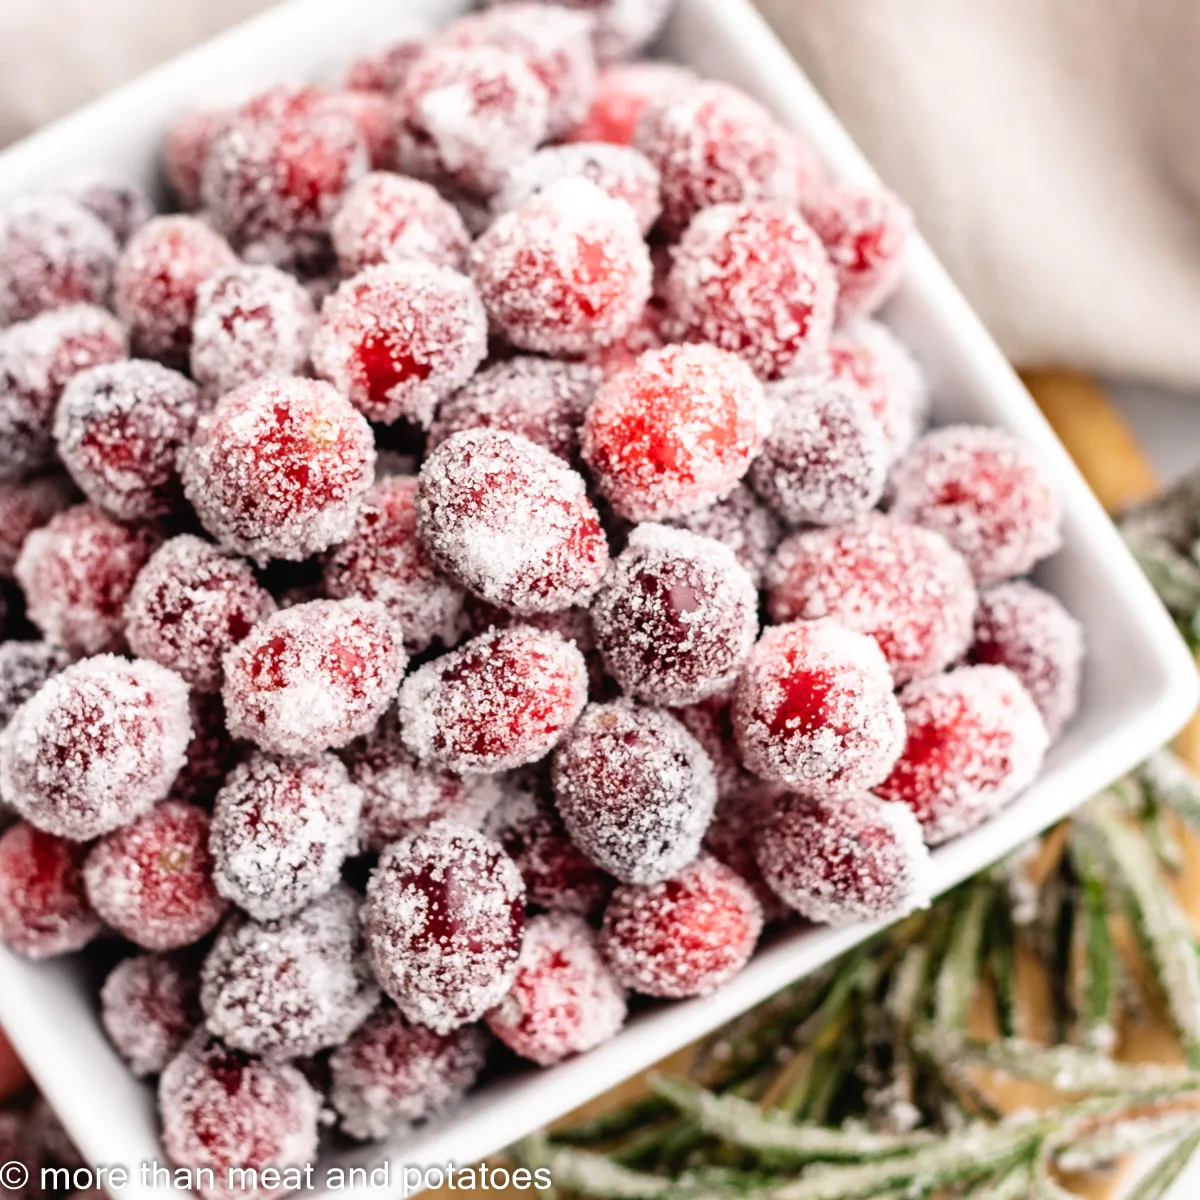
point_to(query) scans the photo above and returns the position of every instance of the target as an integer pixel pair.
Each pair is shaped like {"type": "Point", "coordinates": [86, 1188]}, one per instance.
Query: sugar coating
{"type": "Point", "coordinates": [37, 359]}
{"type": "Point", "coordinates": [290, 987]}
{"type": "Point", "coordinates": [635, 790]}
{"type": "Point", "coordinates": [502, 700]}
{"type": "Point", "coordinates": [221, 1108]}
{"type": "Point", "coordinates": [281, 831]}
{"type": "Point", "coordinates": [26, 505]}
{"type": "Point", "coordinates": [391, 218]}
{"type": "Point", "coordinates": [250, 321]}
{"type": "Point", "coordinates": [866, 231]}
{"type": "Point", "coordinates": [565, 272]}
{"type": "Point", "coordinates": [152, 880]}
{"type": "Point", "coordinates": [371, 113]}
{"type": "Point", "coordinates": [157, 279]}
{"type": "Point", "coordinates": [465, 116]}
{"type": "Point", "coordinates": [44, 910]}
{"type": "Point", "coordinates": [677, 616]}
{"type": "Point", "coordinates": [684, 936]}
{"type": "Point", "coordinates": [565, 1000]}
{"type": "Point", "coordinates": [384, 68]}
{"type": "Point", "coordinates": [900, 584]}
{"type": "Point", "coordinates": [743, 523]}
{"type": "Point", "coordinates": [511, 522]}
{"type": "Point", "coordinates": [619, 171]}
{"type": "Point", "coordinates": [713, 144]}
{"type": "Point", "coordinates": [149, 1006]}
{"type": "Point", "coordinates": [211, 754]}
{"type": "Point", "coordinates": [1026, 629]}
{"type": "Point", "coordinates": [24, 667]}
{"type": "Point", "coordinates": [77, 572]}
{"type": "Point", "coordinates": [189, 604]}
{"type": "Point", "coordinates": [279, 468]}
{"type": "Point", "coordinates": [384, 560]}
{"type": "Point", "coordinates": [815, 710]}
{"type": "Point", "coordinates": [975, 740]}
{"type": "Point", "coordinates": [399, 337]}
{"type": "Point", "coordinates": [711, 724]}
{"type": "Point", "coordinates": [731, 839]}
{"type": "Point", "coordinates": [185, 149]}
{"type": "Point", "coordinates": [826, 459]}
{"type": "Point", "coordinates": [444, 919]}
{"type": "Point", "coordinates": [116, 201]}
{"type": "Point", "coordinates": [96, 746]}
{"type": "Point", "coordinates": [855, 858]}
{"type": "Point", "coordinates": [621, 27]}
{"type": "Point", "coordinates": [392, 1073]}
{"type": "Point", "coordinates": [313, 676]}
{"type": "Point", "coordinates": [984, 491]}
{"type": "Point", "coordinates": [118, 429]}
{"type": "Point", "coordinates": [753, 278]}
{"type": "Point", "coordinates": [622, 91]}
{"type": "Point", "coordinates": [53, 252]}
{"type": "Point", "coordinates": [675, 432]}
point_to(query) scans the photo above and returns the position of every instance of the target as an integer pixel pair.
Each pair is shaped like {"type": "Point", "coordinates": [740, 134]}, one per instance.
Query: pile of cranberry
{"type": "Point", "coordinates": [495, 489]}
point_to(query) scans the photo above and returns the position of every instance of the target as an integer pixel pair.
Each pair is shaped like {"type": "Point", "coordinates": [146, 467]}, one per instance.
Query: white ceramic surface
{"type": "Point", "coordinates": [1140, 682]}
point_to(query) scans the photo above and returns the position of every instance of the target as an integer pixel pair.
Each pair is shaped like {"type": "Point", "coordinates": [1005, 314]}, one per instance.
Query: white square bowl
{"type": "Point", "coordinates": [1140, 683]}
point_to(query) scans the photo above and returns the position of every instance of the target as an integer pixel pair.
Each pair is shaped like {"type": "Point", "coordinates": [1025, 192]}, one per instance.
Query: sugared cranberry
{"type": "Point", "coordinates": [683, 937]}
{"type": "Point", "coordinates": [211, 754]}
{"type": "Point", "coordinates": [149, 1005]}
{"type": "Point", "coordinates": [731, 840]}
{"type": "Point", "coordinates": [711, 724]}
{"type": "Point", "coordinates": [620, 29]}
{"type": "Point", "coordinates": [372, 115]}
{"type": "Point", "coordinates": [27, 506]}
{"type": "Point", "coordinates": [185, 150]}
{"type": "Point", "coordinates": [622, 92]}
{"type": "Point", "coordinates": [385, 68]}
{"type": "Point", "coordinates": [117, 202]}
{"type": "Point", "coordinates": [444, 919]}
{"type": "Point", "coordinates": [24, 667]}
{"type": "Point", "coordinates": [743, 523]}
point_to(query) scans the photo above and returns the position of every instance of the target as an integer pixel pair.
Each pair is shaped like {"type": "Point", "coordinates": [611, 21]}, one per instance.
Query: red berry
{"type": "Point", "coordinates": [313, 676]}
{"type": "Point", "coordinates": [278, 468]}
{"type": "Point", "coordinates": [622, 92]}
{"type": "Point", "coordinates": [975, 739]}
{"type": "Point", "coordinates": [292, 987]}
{"type": "Point", "coordinates": [502, 700]}
{"type": "Point", "coordinates": [444, 919]}
{"type": "Point", "coordinates": [24, 667]}
{"type": "Point", "coordinates": [743, 523]}
{"type": "Point", "coordinates": [675, 432]}
{"type": "Point", "coordinates": [564, 273]}
{"type": "Point", "coordinates": [385, 69]}
{"type": "Point", "coordinates": [815, 709]}
{"type": "Point", "coordinates": [211, 754]}
{"type": "Point", "coordinates": [635, 790]}
{"type": "Point", "coordinates": [900, 584]}
{"type": "Point", "coordinates": [221, 1109]}
{"type": "Point", "coordinates": [683, 937]}
{"type": "Point", "coordinates": [711, 724]}
{"type": "Point", "coordinates": [392, 1073]}
{"type": "Point", "coordinates": [118, 203]}
{"type": "Point", "coordinates": [731, 840]}
{"type": "Point", "coordinates": [119, 428]}
{"type": "Point", "coordinates": [77, 572]}
{"type": "Point", "coordinates": [855, 858]}
{"type": "Point", "coordinates": [399, 337]}
{"type": "Point", "coordinates": [149, 1005]}
{"type": "Point", "coordinates": [281, 831]}
{"type": "Point", "coordinates": [372, 116]}
{"type": "Point", "coordinates": [511, 522]}
{"type": "Point", "coordinates": [185, 150]}
{"type": "Point", "coordinates": [152, 880]}
{"type": "Point", "coordinates": [620, 28]}
{"type": "Point", "coordinates": [984, 491]}
{"type": "Point", "coordinates": [44, 910]}
{"type": "Point", "coordinates": [564, 1000]}
{"type": "Point", "coordinates": [26, 506]}
{"type": "Point", "coordinates": [158, 278]}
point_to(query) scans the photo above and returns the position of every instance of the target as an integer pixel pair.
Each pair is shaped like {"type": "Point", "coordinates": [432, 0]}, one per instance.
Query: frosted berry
{"type": "Point", "coordinates": [250, 321]}
{"type": "Point", "coordinates": [975, 739]}
{"type": "Point", "coordinates": [855, 858]}
{"type": "Point", "coordinates": [622, 92]}
{"type": "Point", "coordinates": [149, 1005]}
{"type": "Point", "coordinates": [444, 919]}
{"type": "Point", "coordinates": [24, 667]}
{"type": "Point", "coordinates": [185, 150]}
{"type": "Point", "coordinates": [152, 880]}
{"type": "Point", "coordinates": [902, 585]}
{"type": "Point", "coordinates": [118, 203]}
{"type": "Point", "coordinates": [815, 709]}
{"type": "Point", "coordinates": [119, 428]}
{"type": "Point", "coordinates": [26, 506]}
{"type": "Point", "coordinates": [635, 790]}
{"type": "Point", "coordinates": [985, 493]}
{"type": "Point", "coordinates": [211, 754]}
{"type": "Point", "coordinates": [683, 937]}
{"type": "Point", "coordinates": [384, 69]}
{"type": "Point", "coordinates": [675, 432]}
{"type": "Point", "coordinates": [392, 1073]}
{"type": "Point", "coordinates": [866, 231]}
{"type": "Point", "coordinates": [313, 676]}
{"type": "Point", "coordinates": [77, 572]}
{"type": "Point", "coordinates": [564, 273]}
{"type": "Point", "coordinates": [371, 113]}
{"type": "Point", "coordinates": [499, 701]}
{"type": "Point", "coordinates": [565, 999]}
{"type": "Point", "coordinates": [281, 831]}
{"type": "Point", "coordinates": [278, 468]}
{"type": "Point", "coordinates": [292, 987]}
{"type": "Point", "coordinates": [391, 218]}
{"type": "Point", "coordinates": [158, 277]}
{"type": "Point", "coordinates": [731, 840]}
{"type": "Point", "coordinates": [621, 28]}
{"type": "Point", "coordinates": [44, 910]}
{"type": "Point", "coordinates": [711, 724]}
{"type": "Point", "coordinates": [754, 279]}
{"type": "Point", "coordinates": [511, 522]}
{"type": "Point", "coordinates": [399, 337]}
{"type": "Point", "coordinates": [743, 523]}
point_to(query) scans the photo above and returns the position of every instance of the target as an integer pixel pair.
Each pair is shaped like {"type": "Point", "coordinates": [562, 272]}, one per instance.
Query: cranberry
{"type": "Point", "coordinates": [743, 523]}
{"type": "Point", "coordinates": [211, 754]}
{"type": "Point", "coordinates": [385, 68]}
{"type": "Point", "coordinates": [26, 506]}
{"type": "Point", "coordinates": [118, 203]}
{"type": "Point", "coordinates": [731, 840]}
{"type": "Point", "coordinates": [620, 29]}
{"type": "Point", "coordinates": [372, 116]}
{"type": "Point", "coordinates": [185, 150]}
{"type": "Point", "coordinates": [149, 1005]}
{"type": "Point", "coordinates": [623, 90]}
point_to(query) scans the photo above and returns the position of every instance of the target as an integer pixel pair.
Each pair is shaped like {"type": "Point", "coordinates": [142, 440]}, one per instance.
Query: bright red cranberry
{"type": "Point", "coordinates": [622, 92]}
